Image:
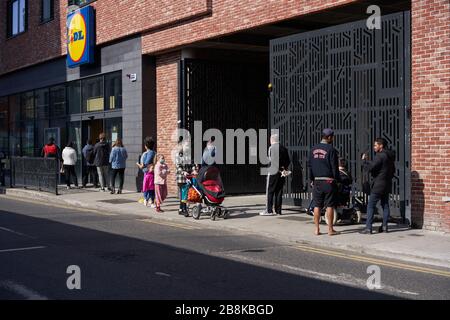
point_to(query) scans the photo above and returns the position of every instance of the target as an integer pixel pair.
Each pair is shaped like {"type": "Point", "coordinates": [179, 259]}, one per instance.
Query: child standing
{"type": "Point", "coordinates": [148, 187]}
{"type": "Point", "coordinates": [161, 172]}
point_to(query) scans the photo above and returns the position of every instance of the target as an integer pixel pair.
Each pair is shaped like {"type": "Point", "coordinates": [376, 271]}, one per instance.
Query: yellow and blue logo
{"type": "Point", "coordinates": [80, 37]}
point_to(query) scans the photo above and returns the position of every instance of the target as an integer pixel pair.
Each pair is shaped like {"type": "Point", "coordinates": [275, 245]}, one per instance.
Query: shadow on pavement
{"type": "Point", "coordinates": [114, 266]}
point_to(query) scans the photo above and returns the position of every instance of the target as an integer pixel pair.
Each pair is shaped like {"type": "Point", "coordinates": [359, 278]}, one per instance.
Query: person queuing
{"type": "Point", "coordinates": [276, 180]}
{"type": "Point", "coordinates": [118, 158]}
{"type": "Point", "coordinates": [324, 174]}
{"type": "Point", "coordinates": [101, 161]}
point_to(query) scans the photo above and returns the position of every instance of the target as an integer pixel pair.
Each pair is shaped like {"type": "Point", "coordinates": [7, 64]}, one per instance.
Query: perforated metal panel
{"type": "Point", "coordinates": [351, 79]}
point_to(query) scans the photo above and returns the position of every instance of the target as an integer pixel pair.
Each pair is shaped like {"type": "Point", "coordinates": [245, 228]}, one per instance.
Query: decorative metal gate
{"type": "Point", "coordinates": [354, 80]}
{"type": "Point", "coordinates": [226, 95]}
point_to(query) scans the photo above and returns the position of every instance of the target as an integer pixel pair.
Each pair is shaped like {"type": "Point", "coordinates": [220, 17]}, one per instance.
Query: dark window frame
{"type": "Point", "coordinates": [9, 19]}
{"type": "Point", "coordinates": [77, 2]}
{"type": "Point", "coordinates": [52, 11]}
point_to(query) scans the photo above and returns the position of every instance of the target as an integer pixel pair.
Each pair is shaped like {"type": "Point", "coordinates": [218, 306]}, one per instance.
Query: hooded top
{"type": "Point", "coordinates": [382, 170]}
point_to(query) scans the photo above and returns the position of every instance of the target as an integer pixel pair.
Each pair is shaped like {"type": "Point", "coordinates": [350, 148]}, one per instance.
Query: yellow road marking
{"type": "Point", "coordinates": [170, 224]}
{"type": "Point", "coordinates": [375, 261]}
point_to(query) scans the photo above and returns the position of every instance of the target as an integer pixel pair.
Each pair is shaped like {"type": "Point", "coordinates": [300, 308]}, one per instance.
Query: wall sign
{"type": "Point", "coordinates": [80, 37]}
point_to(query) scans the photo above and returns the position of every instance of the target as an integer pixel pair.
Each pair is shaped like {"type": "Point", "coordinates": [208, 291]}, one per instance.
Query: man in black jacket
{"type": "Point", "coordinates": [324, 174]}
{"type": "Point", "coordinates": [382, 169]}
{"type": "Point", "coordinates": [280, 161]}
{"type": "Point", "coordinates": [101, 161]}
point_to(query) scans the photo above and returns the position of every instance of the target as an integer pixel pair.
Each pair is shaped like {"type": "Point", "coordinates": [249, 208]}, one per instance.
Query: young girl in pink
{"type": "Point", "coordinates": [148, 186]}
{"type": "Point", "coordinates": [161, 172]}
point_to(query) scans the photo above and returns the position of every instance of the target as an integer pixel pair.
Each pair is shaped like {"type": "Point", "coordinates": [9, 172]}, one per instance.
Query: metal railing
{"type": "Point", "coordinates": [35, 173]}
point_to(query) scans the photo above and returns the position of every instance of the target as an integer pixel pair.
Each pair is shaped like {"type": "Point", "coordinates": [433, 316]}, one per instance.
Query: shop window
{"type": "Point", "coordinates": [47, 10]}
{"type": "Point", "coordinates": [42, 103]}
{"type": "Point", "coordinates": [113, 129]}
{"type": "Point", "coordinates": [14, 108]}
{"type": "Point", "coordinates": [92, 94]}
{"type": "Point", "coordinates": [4, 125]}
{"type": "Point", "coordinates": [57, 106]}
{"type": "Point", "coordinates": [74, 97]}
{"type": "Point", "coordinates": [27, 106]}
{"type": "Point", "coordinates": [27, 130]}
{"type": "Point", "coordinates": [113, 91]}
{"type": "Point", "coordinates": [16, 17]}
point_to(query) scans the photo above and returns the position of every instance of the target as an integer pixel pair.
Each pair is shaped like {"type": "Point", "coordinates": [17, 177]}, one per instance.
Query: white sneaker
{"type": "Point", "coordinates": [265, 213]}
{"type": "Point", "coordinates": [153, 206]}
{"type": "Point", "coordinates": [146, 203]}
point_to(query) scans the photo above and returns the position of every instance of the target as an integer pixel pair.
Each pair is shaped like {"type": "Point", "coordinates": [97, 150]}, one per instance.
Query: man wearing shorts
{"type": "Point", "coordinates": [324, 173]}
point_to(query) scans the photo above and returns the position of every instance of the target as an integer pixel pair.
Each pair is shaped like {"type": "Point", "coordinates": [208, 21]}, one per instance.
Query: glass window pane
{"type": "Point", "coordinates": [27, 129]}
{"type": "Point", "coordinates": [14, 108]}
{"type": "Point", "coordinates": [15, 17]}
{"type": "Point", "coordinates": [58, 101]}
{"type": "Point", "coordinates": [113, 129]}
{"type": "Point", "coordinates": [22, 16]}
{"type": "Point", "coordinates": [46, 10]}
{"type": "Point", "coordinates": [42, 103]}
{"type": "Point", "coordinates": [92, 93]}
{"type": "Point", "coordinates": [14, 139]}
{"type": "Point", "coordinates": [4, 125]}
{"type": "Point", "coordinates": [113, 91]}
{"type": "Point", "coordinates": [27, 106]}
{"type": "Point", "coordinates": [74, 97]}
{"type": "Point", "coordinates": [41, 98]}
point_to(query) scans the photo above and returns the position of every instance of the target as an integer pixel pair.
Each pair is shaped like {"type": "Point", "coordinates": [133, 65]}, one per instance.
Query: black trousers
{"type": "Point", "coordinates": [114, 173]}
{"type": "Point", "coordinates": [275, 185]}
{"type": "Point", "coordinates": [69, 172]}
{"type": "Point", "coordinates": [90, 171]}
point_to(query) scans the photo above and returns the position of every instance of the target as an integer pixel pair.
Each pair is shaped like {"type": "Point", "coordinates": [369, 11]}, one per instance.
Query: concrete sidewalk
{"type": "Point", "coordinates": [420, 246]}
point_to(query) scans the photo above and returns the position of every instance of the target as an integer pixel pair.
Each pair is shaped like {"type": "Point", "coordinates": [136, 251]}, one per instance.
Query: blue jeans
{"type": "Point", "coordinates": [373, 199]}
{"type": "Point", "coordinates": [149, 195]}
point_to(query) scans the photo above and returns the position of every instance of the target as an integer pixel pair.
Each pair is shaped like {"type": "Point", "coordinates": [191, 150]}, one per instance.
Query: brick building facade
{"type": "Point", "coordinates": [149, 39]}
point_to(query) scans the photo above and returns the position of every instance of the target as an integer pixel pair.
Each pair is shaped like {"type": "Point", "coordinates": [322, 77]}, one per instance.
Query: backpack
{"type": "Point", "coordinates": [90, 156]}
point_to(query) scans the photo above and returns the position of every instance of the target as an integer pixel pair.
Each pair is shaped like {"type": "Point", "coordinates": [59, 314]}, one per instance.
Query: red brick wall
{"type": "Point", "coordinates": [114, 19]}
{"type": "Point", "coordinates": [230, 16]}
{"type": "Point", "coordinates": [39, 43]}
{"type": "Point", "coordinates": [167, 110]}
{"type": "Point", "coordinates": [431, 113]}
{"type": "Point", "coordinates": [166, 23]}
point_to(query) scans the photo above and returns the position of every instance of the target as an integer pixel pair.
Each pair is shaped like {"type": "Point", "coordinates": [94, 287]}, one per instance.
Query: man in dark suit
{"type": "Point", "coordinates": [382, 170]}
{"type": "Point", "coordinates": [279, 162]}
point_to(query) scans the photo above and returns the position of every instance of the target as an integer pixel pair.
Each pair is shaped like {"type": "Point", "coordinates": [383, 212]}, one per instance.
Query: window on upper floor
{"type": "Point", "coordinates": [17, 17]}
{"type": "Point", "coordinates": [47, 10]}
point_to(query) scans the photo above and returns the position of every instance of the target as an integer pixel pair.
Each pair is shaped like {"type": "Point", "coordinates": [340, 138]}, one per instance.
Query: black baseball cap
{"type": "Point", "coordinates": [328, 132]}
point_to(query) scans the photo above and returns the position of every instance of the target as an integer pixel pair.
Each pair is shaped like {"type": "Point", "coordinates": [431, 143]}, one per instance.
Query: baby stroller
{"type": "Point", "coordinates": [348, 208]}
{"type": "Point", "coordinates": [350, 211]}
{"type": "Point", "coordinates": [208, 185]}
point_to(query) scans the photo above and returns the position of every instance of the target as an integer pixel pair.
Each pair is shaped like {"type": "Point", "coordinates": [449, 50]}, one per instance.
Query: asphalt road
{"type": "Point", "coordinates": [133, 257]}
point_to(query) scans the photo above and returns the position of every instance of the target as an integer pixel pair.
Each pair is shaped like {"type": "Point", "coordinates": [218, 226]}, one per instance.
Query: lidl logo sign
{"type": "Point", "coordinates": [80, 37]}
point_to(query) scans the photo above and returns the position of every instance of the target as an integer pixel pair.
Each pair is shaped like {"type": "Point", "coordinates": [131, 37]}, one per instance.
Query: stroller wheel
{"type": "Point", "coordinates": [197, 211]}
{"type": "Point", "coordinates": [356, 217]}
{"type": "Point", "coordinates": [216, 213]}
{"type": "Point", "coordinates": [225, 214]}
